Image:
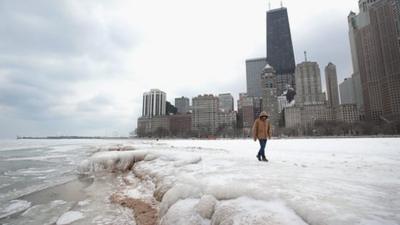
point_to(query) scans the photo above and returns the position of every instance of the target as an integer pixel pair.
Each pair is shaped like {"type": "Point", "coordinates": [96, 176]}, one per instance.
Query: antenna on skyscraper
{"type": "Point", "coordinates": [281, 4]}
{"type": "Point", "coordinates": [269, 5]}
{"type": "Point", "coordinates": [305, 56]}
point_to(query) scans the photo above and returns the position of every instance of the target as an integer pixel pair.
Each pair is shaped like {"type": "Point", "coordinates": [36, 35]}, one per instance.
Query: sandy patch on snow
{"type": "Point", "coordinates": [145, 213]}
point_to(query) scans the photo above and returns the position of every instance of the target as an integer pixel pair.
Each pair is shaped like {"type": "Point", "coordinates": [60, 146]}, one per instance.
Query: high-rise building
{"type": "Point", "coordinates": [225, 102]}
{"type": "Point", "coordinates": [182, 104]}
{"type": "Point", "coordinates": [254, 69]}
{"type": "Point", "coordinates": [205, 114]}
{"type": "Point", "coordinates": [356, 79]}
{"type": "Point", "coordinates": [226, 121]}
{"type": "Point", "coordinates": [348, 113]}
{"type": "Point", "coordinates": [332, 85]}
{"type": "Point", "coordinates": [346, 89]}
{"type": "Point", "coordinates": [279, 42]}
{"type": "Point", "coordinates": [245, 111]}
{"type": "Point", "coordinates": [270, 97]}
{"type": "Point", "coordinates": [308, 84]}
{"type": "Point", "coordinates": [249, 108]}
{"type": "Point", "coordinates": [377, 49]}
{"type": "Point", "coordinates": [310, 102]}
{"type": "Point", "coordinates": [358, 94]}
{"type": "Point", "coordinates": [397, 7]}
{"type": "Point", "coordinates": [154, 103]}
{"type": "Point", "coordinates": [384, 15]}
{"type": "Point", "coordinates": [306, 115]}
{"type": "Point", "coordinates": [280, 48]}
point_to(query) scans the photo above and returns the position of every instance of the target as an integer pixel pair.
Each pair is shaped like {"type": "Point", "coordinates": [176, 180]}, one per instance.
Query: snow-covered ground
{"type": "Point", "coordinates": [306, 181]}
{"type": "Point", "coordinates": [220, 182]}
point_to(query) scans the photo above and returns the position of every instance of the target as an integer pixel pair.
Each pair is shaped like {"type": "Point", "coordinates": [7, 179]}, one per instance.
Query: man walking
{"type": "Point", "coordinates": [262, 131]}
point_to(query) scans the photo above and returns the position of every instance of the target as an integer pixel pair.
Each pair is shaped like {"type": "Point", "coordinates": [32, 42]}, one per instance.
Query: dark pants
{"type": "Point", "coordinates": [261, 153]}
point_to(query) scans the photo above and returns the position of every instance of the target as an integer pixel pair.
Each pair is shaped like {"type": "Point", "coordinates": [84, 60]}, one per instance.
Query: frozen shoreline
{"type": "Point", "coordinates": [212, 182]}
{"type": "Point", "coordinates": [345, 181]}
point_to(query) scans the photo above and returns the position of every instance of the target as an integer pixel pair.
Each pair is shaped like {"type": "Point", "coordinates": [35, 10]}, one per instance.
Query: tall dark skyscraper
{"type": "Point", "coordinates": [279, 55]}
{"type": "Point", "coordinates": [279, 42]}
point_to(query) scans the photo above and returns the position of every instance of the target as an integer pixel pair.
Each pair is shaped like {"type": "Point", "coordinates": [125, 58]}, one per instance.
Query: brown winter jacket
{"type": "Point", "coordinates": [262, 129]}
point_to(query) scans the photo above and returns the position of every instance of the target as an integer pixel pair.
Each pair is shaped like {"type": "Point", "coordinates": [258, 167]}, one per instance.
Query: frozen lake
{"type": "Point", "coordinates": [306, 181]}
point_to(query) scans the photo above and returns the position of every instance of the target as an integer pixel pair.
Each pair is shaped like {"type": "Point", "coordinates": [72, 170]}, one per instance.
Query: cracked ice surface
{"type": "Point", "coordinates": [307, 181]}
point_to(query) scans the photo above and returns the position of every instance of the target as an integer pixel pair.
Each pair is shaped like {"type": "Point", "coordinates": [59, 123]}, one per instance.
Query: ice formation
{"type": "Point", "coordinates": [182, 213]}
{"type": "Point", "coordinates": [246, 211]}
{"type": "Point", "coordinates": [15, 206]}
{"type": "Point", "coordinates": [305, 182]}
{"type": "Point", "coordinates": [206, 206]}
{"type": "Point", "coordinates": [111, 161]}
{"type": "Point", "coordinates": [69, 217]}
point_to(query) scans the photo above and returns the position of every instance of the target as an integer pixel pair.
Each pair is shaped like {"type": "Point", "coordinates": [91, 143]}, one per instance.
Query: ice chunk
{"type": "Point", "coordinates": [162, 186]}
{"type": "Point", "coordinates": [232, 189]}
{"type": "Point", "coordinates": [150, 157]}
{"type": "Point", "coordinates": [120, 147]}
{"type": "Point", "coordinates": [58, 202]}
{"type": "Point", "coordinates": [183, 213]}
{"type": "Point", "coordinates": [192, 160]}
{"type": "Point", "coordinates": [177, 192]}
{"type": "Point", "coordinates": [84, 202]}
{"type": "Point", "coordinates": [113, 161]}
{"type": "Point", "coordinates": [46, 214]}
{"type": "Point", "coordinates": [69, 217]}
{"type": "Point", "coordinates": [247, 211]}
{"type": "Point", "coordinates": [15, 206]}
{"type": "Point", "coordinates": [205, 207]}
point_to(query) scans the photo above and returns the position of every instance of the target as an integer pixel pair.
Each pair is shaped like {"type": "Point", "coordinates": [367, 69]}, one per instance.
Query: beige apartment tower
{"type": "Point", "coordinates": [270, 94]}
{"type": "Point", "coordinates": [205, 114]}
{"type": "Point", "coordinates": [308, 84]}
{"type": "Point", "coordinates": [332, 86]}
{"type": "Point", "coordinates": [376, 50]}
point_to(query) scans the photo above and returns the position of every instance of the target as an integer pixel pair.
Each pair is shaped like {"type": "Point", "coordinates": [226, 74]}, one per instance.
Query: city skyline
{"type": "Point", "coordinates": [111, 53]}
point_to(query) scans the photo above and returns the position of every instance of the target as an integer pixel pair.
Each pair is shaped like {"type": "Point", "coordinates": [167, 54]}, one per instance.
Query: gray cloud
{"type": "Point", "coordinates": [46, 49]}
{"type": "Point", "coordinates": [95, 104]}
{"type": "Point", "coordinates": [56, 28]}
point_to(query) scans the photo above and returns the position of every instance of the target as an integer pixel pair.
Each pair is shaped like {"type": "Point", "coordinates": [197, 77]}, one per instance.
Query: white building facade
{"type": "Point", "coordinates": [154, 103]}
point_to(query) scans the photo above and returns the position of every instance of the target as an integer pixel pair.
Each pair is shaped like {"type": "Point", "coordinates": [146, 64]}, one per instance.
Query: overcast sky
{"type": "Point", "coordinates": [80, 67]}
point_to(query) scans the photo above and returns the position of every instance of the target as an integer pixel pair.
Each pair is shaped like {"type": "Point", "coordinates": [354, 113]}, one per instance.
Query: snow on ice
{"type": "Point", "coordinates": [307, 181]}
{"type": "Point", "coordinates": [111, 160]}
{"type": "Point", "coordinates": [69, 217]}
{"type": "Point", "coordinates": [15, 206]}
